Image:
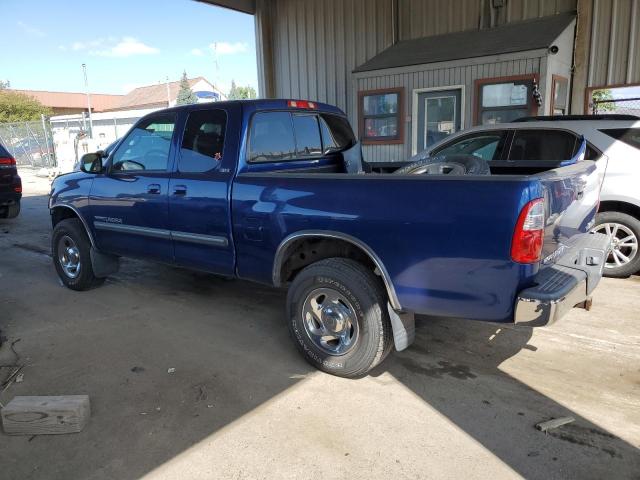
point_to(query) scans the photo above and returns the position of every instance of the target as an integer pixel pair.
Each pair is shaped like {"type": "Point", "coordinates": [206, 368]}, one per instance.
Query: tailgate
{"type": "Point", "coordinates": [572, 195]}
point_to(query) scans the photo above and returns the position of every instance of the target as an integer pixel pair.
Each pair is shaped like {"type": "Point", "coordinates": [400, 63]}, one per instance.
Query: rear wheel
{"type": "Point", "coordinates": [71, 251]}
{"type": "Point", "coordinates": [337, 315]}
{"type": "Point", "coordinates": [624, 230]}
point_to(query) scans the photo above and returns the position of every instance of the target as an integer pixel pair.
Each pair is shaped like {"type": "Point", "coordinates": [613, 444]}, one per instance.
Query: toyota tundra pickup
{"type": "Point", "coordinates": [274, 191]}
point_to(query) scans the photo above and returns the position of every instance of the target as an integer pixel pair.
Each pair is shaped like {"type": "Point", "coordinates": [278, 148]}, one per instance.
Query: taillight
{"type": "Point", "coordinates": [7, 161]}
{"type": "Point", "coordinates": [526, 246]}
{"type": "Point", "coordinates": [301, 104]}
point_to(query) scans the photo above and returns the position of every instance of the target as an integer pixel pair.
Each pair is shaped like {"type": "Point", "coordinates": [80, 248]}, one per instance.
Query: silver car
{"type": "Point", "coordinates": [612, 140]}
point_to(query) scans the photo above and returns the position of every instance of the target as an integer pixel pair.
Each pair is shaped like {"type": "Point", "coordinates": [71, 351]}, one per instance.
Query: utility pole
{"type": "Point", "coordinates": [168, 94]}
{"type": "Point", "coordinates": [86, 85]}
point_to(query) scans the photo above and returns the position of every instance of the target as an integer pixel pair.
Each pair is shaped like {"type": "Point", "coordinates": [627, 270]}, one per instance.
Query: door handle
{"type": "Point", "coordinates": [153, 188]}
{"type": "Point", "coordinates": [180, 190]}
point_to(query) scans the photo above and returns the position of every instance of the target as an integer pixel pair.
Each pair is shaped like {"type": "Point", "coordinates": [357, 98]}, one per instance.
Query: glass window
{"type": "Point", "coordinates": [542, 145]}
{"type": "Point", "coordinates": [307, 135]}
{"type": "Point", "coordinates": [380, 116]}
{"type": "Point", "coordinates": [630, 136]}
{"type": "Point", "coordinates": [146, 147]}
{"type": "Point", "coordinates": [591, 153]}
{"type": "Point", "coordinates": [336, 132]}
{"type": "Point", "coordinates": [504, 94]}
{"type": "Point", "coordinates": [271, 137]}
{"type": "Point", "coordinates": [486, 145]}
{"type": "Point", "coordinates": [503, 102]}
{"type": "Point", "coordinates": [203, 141]}
{"type": "Point", "coordinates": [560, 100]}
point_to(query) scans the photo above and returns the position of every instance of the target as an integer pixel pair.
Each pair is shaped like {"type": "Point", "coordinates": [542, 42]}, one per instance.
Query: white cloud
{"type": "Point", "coordinates": [31, 30]}
{"type": "Point", "coordinates": [114, 47]}
{"type": "Point", "coordinates": [197, 52]}
{"type": "Point", "coordinates": [126, 47]}
{"type": "Point", "coordinates": [226, 48]}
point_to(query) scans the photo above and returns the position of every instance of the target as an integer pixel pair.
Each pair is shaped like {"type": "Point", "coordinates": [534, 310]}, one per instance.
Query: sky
{"type": "Point", "coordinates": [125, 44]}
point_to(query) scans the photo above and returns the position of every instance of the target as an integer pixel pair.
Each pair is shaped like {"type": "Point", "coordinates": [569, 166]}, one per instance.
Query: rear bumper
{"type": "Point", "coordinates": [9, 198]}
{"type": "Point", "coordinates": [566, 284]}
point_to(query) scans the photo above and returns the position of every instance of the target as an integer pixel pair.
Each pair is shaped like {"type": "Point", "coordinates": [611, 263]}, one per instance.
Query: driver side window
{"type": "Point", "coordinates": [146, 147]}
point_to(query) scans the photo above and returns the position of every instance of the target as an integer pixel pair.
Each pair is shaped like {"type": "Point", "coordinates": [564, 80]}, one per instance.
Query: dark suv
{"type": "Point", "coordinates": [10, 185]}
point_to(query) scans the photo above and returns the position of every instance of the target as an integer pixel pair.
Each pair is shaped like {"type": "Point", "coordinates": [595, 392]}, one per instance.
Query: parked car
{"type": "Point", "coordinates": [270, 191]}
{"type": "Point", "coordinates": [10, 185]}
{"type": "Point", "coordinates": [613, 140]}
{"type": "Point", "coordinates": [29, 151]}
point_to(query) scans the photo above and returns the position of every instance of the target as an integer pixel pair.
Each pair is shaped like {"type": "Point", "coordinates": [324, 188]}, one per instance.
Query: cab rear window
{"type": "Point", "coordinates": [279, 136]}
{"type": "Point", "coordinates": [630, 136]}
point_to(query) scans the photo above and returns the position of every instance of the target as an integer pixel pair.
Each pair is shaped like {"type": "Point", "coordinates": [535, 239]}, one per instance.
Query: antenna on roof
{"type": "Point", "coordinates": [168, 93]}
{"type": "Point", "coordinates": [215, 65]}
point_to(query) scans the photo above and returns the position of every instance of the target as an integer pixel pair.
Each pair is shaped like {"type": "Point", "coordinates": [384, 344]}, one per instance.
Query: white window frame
{"type": "Point", "coordinates": [414, 110]}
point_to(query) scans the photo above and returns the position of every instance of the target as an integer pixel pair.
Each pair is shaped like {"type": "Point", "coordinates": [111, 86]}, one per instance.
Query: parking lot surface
{"type": "Point", "coordinates": [462, 402]}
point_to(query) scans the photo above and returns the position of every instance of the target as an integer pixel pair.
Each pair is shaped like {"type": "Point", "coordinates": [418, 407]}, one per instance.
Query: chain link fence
{"type": "Point", "coordinates": [629, 106]}
{"type": "Point", "coordinates": [30, 143]}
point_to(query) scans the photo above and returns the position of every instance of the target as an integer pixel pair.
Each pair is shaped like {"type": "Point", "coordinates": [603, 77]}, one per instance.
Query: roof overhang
{"type": "Point", "coordinates": [524, 36]}
{"type": "Point", "coordinates": [244, 6]}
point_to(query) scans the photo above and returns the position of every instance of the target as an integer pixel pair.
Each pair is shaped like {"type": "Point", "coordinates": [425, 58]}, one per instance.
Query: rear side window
{"type": "Point", "coordinates": [3, 152]}
{"type": "Point", "coordinates": [203, 141]}
{"type": "Point", "coordinates": [307, 135]}
{"type": "Point", "coordinates": [336, 132]}
{"type": "Point", "coordinates": [630, 136]}
{"type": "Point", "coordinates": [485, 145]}
{"type": "Point", "coordinates": [271, 137]}
{"type": "Point", "coordinates": [541, 144]}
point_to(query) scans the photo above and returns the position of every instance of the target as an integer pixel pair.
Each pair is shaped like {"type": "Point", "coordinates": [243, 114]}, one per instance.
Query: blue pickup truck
{"type": "Point", "coordinates": [275, 191]}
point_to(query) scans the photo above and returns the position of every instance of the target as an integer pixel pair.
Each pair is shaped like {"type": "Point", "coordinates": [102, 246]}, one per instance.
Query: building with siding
{"type": "Point", "coordinates": [408, 72]}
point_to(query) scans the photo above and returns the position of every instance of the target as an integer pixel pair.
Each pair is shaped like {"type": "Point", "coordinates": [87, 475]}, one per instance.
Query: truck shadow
{"type": "Point", "coordinates": [455, 367]}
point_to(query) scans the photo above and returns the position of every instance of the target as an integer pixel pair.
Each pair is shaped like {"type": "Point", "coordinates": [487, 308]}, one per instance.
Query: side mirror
{"type": "Point", "coordinates": [92, 162]}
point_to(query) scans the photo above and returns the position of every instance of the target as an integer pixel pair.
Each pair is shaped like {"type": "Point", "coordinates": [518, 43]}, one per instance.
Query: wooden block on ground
{"type": "Point", "coordinates": [46, 415]}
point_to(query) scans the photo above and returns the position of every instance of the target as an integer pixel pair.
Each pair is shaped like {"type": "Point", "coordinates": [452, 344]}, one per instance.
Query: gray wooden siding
{"type": "Point", "coordinates": [615, 43]}
{"type": "Point", "coordinates": [436, 75]}
{"type": "Point", "coordinates": [423, 18]}
{"type": "Point", "coordinates": [317, 44]}
{"type": "Point", "coordinates": [314, 45]}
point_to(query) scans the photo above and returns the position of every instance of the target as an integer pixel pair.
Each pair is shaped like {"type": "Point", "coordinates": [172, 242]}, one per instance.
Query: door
{"type": "Point", "coordinates": [199, 191]}
{"type": "Point", "coordinates": [129, 201]}
{"type": "Point", "coordinates": [439, 114]}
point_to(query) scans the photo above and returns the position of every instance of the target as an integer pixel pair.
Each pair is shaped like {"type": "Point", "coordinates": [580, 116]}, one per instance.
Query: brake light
{"type": "Point", "coordinates": [301, 104]}
{"type": "Point", "coordinates": [526, 246]}
{"type": "Point", "coordinates": [17, 189]}
{"type": "Point", "coordinates": [7, 161]}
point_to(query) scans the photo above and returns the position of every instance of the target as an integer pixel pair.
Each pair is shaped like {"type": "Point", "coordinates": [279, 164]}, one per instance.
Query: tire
{"type": "Point", "coordinates": [627, 226]}
{"type": "Point", "coordinates": [471, 164]}
{"type": "Point", "coordinates": [69, 238]}
{"type": "Point", "coordinates": [361, 296]}
{"type": "Point", "coordinates": [12, 211]}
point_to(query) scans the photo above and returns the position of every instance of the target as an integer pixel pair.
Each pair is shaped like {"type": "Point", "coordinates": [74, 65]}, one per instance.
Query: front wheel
{"type": "Point", "coordinates": [337, 315]}
{"type": "Point", "coordinates": [71, 251]}
{"type": "Point", "coordinates": [624, 230]}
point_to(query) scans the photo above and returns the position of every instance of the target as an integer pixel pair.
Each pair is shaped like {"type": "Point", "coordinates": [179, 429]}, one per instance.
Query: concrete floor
{"type": "Point", "coordinates": [462, 402]}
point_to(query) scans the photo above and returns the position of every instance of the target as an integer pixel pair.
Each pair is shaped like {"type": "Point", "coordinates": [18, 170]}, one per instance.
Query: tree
{"type": "Point", "coordinates": [241, 93]}
{"type": "Point", "coordinates": [602, 100]}
{"type": "Point", "coordinates": [4, 84]}
{"type": "Point", "coordinates": [18, 107]}
{"type": "Point", "coordinates": [185, 94]}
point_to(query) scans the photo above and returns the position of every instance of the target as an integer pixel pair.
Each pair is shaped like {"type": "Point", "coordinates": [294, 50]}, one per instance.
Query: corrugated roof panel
{"type": "Point", "coordinates": [514, 37]}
